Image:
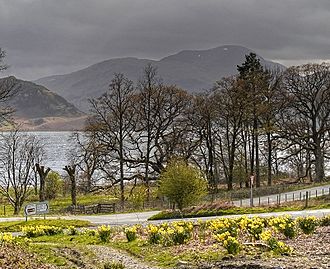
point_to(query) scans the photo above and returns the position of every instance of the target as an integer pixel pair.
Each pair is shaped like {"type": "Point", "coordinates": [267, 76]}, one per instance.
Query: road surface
{"type": "Point", "coordinates": [142, 217]}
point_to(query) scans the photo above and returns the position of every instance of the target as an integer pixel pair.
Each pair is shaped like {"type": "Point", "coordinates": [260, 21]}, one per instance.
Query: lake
{"type": "Point", "coordinates": [56, 146]}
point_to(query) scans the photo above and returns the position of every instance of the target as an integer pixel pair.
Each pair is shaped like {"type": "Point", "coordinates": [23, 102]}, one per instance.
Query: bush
{"type": "Point", "coordinates": [137, 197]}
{"type": "Point", "coordinates": [54, 185]}
{"type": "Point", "coordinates": [183, 184]}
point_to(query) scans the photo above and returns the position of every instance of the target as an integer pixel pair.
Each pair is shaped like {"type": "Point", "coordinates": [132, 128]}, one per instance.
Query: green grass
{"type": "Point", "coordinates": [166, 256]}
{"type": "Point", "coordinates": [47, 254]}
{"type": "Point", "coordinates": [59, 204]}
{"type": "Point", "coordinates": [15, 226]}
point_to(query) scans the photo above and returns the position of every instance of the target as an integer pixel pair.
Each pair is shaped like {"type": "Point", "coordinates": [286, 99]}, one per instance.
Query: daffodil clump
{"type": "Point", "coordinates": [131, 233]}
{"type": "Point", "coordinates": [285, 225]}
{"type": "Point", "coordinates": [6, 238]}
{"type": "Point", "coordinates": [71, 230]}
{"type": "Point", "coordinates": [223, 225]}
{"type": "Point", "coordinates": [255, 227]}
{"type": "Point", "coordinates": [88, 232]}
{"type": "Point", "coordinates": [104, 233]}
{"type": "Point", "coordinates": [279, 247]}
{"type": "Point", "coordinates": [308, 224]}
{"type": "Point", "coordinates": [230, 243]}
{"type": "Point", "coordinates": [170, 234]}
{"type": "Point", "coordinates": [40, 230]}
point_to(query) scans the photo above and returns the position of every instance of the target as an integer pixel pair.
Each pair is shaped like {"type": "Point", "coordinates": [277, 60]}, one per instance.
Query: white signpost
{"type": "Point", "coordinates": [40, 208]}
{"type": "Point", "coordinates": [251, 190]}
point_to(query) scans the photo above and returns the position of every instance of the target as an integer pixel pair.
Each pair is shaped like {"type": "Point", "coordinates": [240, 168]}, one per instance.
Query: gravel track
{"type": "Point", "coordinates": [107, 254]}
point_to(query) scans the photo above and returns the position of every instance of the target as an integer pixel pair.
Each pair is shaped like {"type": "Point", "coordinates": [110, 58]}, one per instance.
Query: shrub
{"type": "Point", "coordinates": [183, 184]}
{"type": "Point", "coordinates": [307, 224]}
{"type": "Point", "coordinates": [138, 196]}
{"type": "Point", "coordinates": [104, 233]}
{"type": "Point", "coordinates": [54, 185]}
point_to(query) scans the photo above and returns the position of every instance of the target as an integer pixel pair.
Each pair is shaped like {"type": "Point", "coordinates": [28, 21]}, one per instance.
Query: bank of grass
{"type": "Point", "coordinates": [58, 205]}
{"type": "Point", "coordinates": [16, 226]}
{"type": "Point", "coordinates": [74, 251]}
{"type": "Point", "coordinates": [208, 210]}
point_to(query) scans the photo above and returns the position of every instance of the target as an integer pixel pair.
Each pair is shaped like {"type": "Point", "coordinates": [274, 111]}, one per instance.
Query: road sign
{"type": "Point", "coordinates": [30, 209]}
{"type": "Point", "coordinates": [36, 208]}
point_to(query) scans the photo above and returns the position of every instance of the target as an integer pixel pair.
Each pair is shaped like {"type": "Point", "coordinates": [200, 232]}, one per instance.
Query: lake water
{"type": "Point", "coordinates": [56, 146]}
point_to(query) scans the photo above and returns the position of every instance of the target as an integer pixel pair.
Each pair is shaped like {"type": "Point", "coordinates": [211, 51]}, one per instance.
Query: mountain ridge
{"type": "Point", "coordinates": [36, 106]}
{"type": "Point", "coordinates": [193, 70]}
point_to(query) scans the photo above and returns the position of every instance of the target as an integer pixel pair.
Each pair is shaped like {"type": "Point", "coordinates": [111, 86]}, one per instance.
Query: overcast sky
{"type": "Point", "coordinates": [46, 37]}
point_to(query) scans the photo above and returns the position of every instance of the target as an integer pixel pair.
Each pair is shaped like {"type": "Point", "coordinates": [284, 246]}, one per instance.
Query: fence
{"type": "Point", "coordinates": [284, 197]}
{"type": "Point", "coordinates": [92, 209]}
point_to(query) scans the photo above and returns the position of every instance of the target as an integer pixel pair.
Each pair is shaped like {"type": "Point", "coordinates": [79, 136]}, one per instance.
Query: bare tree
{"type": "Point", "coordinates": [7, 91]}
{"type": "Point", "coordinates": [306, 119]}
{"type": "Point", "coordinates": [159, 109]}
{"type": "Point", "coordinates": [87, 156]}
{"type": "Point", "coordinates": [113, 122]}
{"type": "Point", "coordinates": [18, 156]}
{"type": "Point", "coordinates": [231, 105]}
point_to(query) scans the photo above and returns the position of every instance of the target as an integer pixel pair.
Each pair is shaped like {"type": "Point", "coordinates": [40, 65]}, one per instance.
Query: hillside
{"type": "Point", "coordinates": [35, 106]}
{"type": "Point", "coordinates": [193, 70]}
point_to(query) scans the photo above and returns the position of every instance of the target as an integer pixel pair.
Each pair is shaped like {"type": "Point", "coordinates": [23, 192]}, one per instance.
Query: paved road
{"type": "Point", "coordinates": [142, 218]}
{"type": "Point", "coordinates": [287, 196]}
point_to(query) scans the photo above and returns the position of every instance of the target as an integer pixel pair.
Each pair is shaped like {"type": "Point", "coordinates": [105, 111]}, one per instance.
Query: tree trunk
{"type": "Point", "coordinates": [71, 170]}
{"type": "Point", "coordinates": [17, 208]}
{"type": "Point", "coordinates": [319, 163]}
{"type": "Point", "coordinates": [42, 175]}
{"type": "Point", "coordinates": [257, 153]}
{"type": "Point", "coordinates": [269, 161]}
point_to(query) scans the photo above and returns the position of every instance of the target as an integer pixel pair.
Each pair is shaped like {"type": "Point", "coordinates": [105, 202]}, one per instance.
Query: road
{"type": "Point", "coordinates": [287, 196]}
{"type": "Point", "coordinates": [142, 217]}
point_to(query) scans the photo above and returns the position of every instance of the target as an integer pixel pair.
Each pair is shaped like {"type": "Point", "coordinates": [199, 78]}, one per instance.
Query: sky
{"type": "Point", "coordinates": [48, 37]}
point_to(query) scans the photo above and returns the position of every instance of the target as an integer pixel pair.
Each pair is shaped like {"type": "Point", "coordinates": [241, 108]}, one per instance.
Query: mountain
{"type": "Point", "coordinates": [35, 105]}
{"type": "Point", "coordinates": [192, 70]}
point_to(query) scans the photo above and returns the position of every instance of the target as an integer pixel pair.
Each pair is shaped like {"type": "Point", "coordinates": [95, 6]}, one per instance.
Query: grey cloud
{"type": "Point", "coordinates": [44, 37]}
